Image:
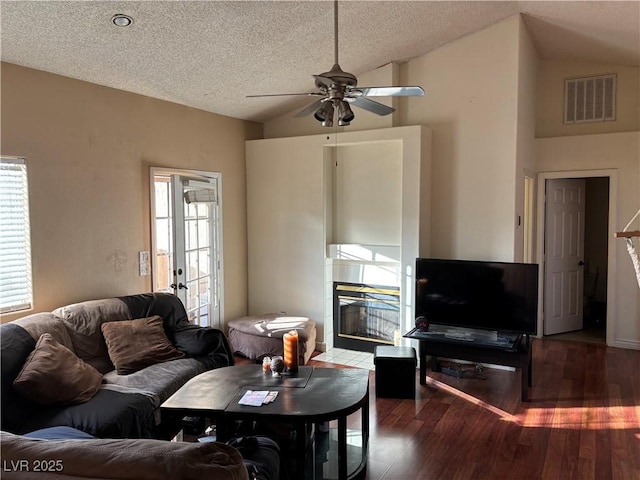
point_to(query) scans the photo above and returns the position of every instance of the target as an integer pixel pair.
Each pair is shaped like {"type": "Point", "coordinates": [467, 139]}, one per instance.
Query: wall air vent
{"type": "Point", "coordinates": [591, 99]}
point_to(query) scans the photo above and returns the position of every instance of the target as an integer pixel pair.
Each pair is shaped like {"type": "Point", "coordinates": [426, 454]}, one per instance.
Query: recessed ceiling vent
{"type": "Point", "coordinates": [591, 99]}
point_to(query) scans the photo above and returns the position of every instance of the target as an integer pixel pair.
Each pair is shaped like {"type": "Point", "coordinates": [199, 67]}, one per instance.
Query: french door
{"type": "Point", "coordinates": [185, 211]}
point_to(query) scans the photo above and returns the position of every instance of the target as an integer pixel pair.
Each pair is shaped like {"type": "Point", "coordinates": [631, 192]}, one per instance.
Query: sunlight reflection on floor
{"type": "Point", "coordinates": [615, 417]}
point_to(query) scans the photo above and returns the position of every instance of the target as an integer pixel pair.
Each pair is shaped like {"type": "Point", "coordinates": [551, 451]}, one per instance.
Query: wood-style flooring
{"type": "Point", "coordinates": [583, 421]}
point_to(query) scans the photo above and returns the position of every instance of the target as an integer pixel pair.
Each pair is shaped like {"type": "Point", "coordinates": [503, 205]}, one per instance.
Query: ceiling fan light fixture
{"type": "Point", "coordinates": [345, 114]}
{"type": "Point", "coordinates": [324, 114]}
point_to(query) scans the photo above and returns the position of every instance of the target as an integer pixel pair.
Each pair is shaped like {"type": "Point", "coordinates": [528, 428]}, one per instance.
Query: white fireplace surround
{"type": "Point", "coordinates": [351, 207]}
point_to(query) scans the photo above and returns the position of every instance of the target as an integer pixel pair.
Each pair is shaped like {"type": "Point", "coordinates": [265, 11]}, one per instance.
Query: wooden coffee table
{"type": "Point", "coordinates": [312, 397]}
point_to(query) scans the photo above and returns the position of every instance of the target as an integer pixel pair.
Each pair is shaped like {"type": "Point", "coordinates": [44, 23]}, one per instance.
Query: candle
{"type": "Point", "coordinates": [290, 340]}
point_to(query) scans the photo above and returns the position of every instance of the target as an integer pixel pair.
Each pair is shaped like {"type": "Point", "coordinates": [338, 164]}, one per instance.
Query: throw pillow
{"type": "Point", "coordinates": [195, 341]}
{"type": "Point", "coordinates": [54, 375]}
{"type": "Point", "coordinates": [136, 344]}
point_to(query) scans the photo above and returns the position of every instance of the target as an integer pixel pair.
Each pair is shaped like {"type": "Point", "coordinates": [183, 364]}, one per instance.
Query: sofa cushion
{"type": "Point", "coordinates": [109, 414]}
{"type": "Point", "coordinates": [195, 341]}
{"type": "Point", "coordinates": [181, 332]}
{"type": "Point", "coordinates": [161, 380]}
{"type": "Point", "coordinates": [59, 433]}
{"type": "Point", "coordinates": [136, 344]}
{"type": "Point", "coordinates": [126, 459]}
{"type": "Point", "coordinates": [83, 321]}
{"type": "Point", "coordinates": [45, 322]}
{"type": "Point", "coordinates": [54, 375]}
{"type": "Point", "coordinates": [165, 305]}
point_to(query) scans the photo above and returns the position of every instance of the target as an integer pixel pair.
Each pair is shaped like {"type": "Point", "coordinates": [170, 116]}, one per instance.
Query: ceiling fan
{"type": "Point", "coordinates": [339, 90]}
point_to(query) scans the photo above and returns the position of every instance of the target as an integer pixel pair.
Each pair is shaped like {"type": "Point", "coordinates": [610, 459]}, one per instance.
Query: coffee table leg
{"type": "Point", "coordinates": [342, 447]}
{"type": "Point", "coordinates": [365, 428]}
{"type": "Point", "coordinates": [301, 449]}
{"type": "Point", "coordinates": [224, 429]}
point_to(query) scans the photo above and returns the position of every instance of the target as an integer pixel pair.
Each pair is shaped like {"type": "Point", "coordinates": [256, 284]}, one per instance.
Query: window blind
{"type": "Point", "coordinates": [16, 291]}
{"type": "Point", "coordinates": [200, 192]}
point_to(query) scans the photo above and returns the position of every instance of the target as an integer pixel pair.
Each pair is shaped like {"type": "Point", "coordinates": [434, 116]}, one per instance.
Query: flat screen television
{"type": "Point", "coordinates": [475, 294]}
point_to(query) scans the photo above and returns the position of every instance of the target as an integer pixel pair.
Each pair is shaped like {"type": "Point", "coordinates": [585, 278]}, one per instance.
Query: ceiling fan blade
{"type": "Point", "coordinates": [371, 106]}
{"type": "Point", "coordinates": [310, 108]}
{"type": "Point", "coordinates": [391, 91]}
{"type": "Point", "coordinates": [308, 94]}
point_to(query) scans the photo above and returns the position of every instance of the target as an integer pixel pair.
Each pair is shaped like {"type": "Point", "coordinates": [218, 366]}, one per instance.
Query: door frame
{"type": "Point", "coordinates": [612, 174]}
{"type": "Point", "coordinates": [153, 171]}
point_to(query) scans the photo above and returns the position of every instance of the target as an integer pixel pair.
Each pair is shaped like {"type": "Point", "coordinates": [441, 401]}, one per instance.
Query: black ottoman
{"type": "Point", "coordinates": [395, 371]}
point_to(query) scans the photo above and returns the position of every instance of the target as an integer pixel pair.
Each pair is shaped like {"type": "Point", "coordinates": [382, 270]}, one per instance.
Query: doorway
{"type": "Point", "coordinates": [575, 296]}
{"type": "Point", "coordinates": [186, 228]}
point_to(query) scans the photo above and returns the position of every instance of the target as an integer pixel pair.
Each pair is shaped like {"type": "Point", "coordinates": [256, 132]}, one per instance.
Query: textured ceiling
{"type": "Point", "coordinates": [211, 54]}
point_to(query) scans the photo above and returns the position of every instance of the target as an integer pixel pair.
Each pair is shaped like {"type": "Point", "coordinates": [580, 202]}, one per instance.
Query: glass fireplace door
{"type": "Point", "coordinates": [365, 315]}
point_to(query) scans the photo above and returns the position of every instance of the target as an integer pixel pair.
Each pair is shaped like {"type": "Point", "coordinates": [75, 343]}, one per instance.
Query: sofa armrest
{"type": "Point", "coordinates": [17, 344]}
{"type": "Point", "coordinates": [196, 341]}
{"type": "Point", "coordinates": [124, 459]}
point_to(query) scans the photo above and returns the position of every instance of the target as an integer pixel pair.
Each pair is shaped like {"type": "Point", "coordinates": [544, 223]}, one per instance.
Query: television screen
{"type": "Point", "coordinates": [475, 294]}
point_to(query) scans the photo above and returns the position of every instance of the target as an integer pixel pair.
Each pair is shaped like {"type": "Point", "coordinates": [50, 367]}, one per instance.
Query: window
{"type": "Point", "coordinates": [16, 291]}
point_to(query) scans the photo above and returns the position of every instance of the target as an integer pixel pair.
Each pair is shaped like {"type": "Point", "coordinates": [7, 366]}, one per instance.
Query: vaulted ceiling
{"type": "Point", "coordinates": [211, 54]}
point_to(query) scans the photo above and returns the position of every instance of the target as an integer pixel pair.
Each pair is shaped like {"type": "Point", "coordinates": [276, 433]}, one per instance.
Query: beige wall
{"type": "Point", "coordinates": [472, 107]}
{"type": "Point", "coordinates": [551, 77]}
{"type": "Point", "coordinates": [88, 151]}
{"type": "Point", "coordinates": [367, 194]}
{"type": "Point", "coordinates": [526, 117]}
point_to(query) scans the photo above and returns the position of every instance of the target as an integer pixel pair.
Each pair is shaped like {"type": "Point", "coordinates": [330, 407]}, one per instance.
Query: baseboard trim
{"type": "Point", "coordinates": [628, 344]}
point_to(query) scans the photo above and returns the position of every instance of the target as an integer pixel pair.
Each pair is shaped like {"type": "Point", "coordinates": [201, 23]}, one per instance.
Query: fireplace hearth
{"type": "Point", "coordinates": [364, 316]}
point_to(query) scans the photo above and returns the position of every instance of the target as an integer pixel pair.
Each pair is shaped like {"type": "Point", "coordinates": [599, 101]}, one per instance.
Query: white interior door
{"type": "Point", "coordinates": [186, 247]}
{"type": "Point", "coordinates": [564, 247]}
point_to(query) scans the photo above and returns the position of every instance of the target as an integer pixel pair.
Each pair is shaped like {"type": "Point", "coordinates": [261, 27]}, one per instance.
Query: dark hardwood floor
{"type": "Point", "coordinates": [583, 421]}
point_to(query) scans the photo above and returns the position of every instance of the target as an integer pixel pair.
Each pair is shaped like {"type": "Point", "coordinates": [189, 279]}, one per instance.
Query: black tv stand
{"type": "Point", "coordinates": [500, 348]}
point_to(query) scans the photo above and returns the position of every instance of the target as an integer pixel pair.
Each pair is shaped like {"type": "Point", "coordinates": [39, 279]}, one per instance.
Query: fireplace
{"type": "Point", "coordinates": [364, 315]}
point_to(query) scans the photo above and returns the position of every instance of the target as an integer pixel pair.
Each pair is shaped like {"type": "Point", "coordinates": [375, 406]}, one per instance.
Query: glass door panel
{"type": "Point", "coordinates": [163, 249]}
{"type": "Point", "coordinates": [186, 243]}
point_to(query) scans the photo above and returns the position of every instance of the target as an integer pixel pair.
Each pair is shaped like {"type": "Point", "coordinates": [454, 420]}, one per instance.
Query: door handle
{"type": "Point", "coordinates": [182, 285]}
{"type": "Point", "coordinates": [580, 263]}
